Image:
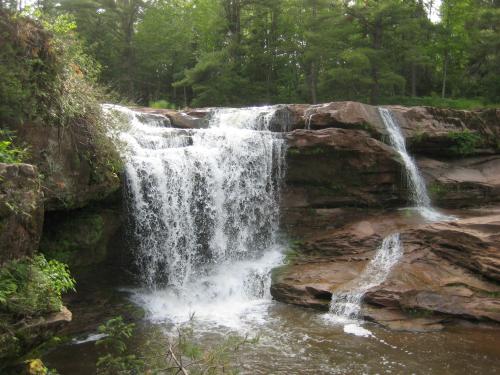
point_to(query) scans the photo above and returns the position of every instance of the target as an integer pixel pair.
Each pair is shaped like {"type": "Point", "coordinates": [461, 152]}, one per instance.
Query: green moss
{"type": "Point", "coordinates": [306, 151]}
{"type": "Point", "coordinates": [418, 313]}
{"type": "Point", "coordinates": [420, 136]}
{"type": "Point", "coordinates": [277, 272]}
{"type": "Point", "coordinates": [438, 190]}
{"type": "Point", "coordinates": [490, 294]}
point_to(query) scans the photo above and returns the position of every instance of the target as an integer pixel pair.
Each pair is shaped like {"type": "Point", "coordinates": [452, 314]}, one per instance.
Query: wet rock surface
{"type": "Point", "coordinates": [449, 271]}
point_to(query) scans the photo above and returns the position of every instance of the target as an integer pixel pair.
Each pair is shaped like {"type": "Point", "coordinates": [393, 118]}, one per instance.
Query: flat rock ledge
{"type": "Point", "coordinates": [449, 272]}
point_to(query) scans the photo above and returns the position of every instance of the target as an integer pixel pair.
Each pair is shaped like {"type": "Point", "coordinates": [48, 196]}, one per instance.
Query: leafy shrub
{"type": "Point", "coordinates": [162, 104]}
{"type": "Point", "coordinates": [117, 360]}
{"type": "Point", "coordinates": [32, 287]}
{"type": "Point", "coordinates": [180, 356]}
{"type": "Point", "coordinates": [46, 74]}
{"type": "Point", "coordinates": [9, 153]}
{"type": "Point", "coordinates": [464, 142]}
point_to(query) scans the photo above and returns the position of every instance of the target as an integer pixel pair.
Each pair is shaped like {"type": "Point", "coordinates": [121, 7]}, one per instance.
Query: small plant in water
{"type": "Point", "coordinates": [180, 355]}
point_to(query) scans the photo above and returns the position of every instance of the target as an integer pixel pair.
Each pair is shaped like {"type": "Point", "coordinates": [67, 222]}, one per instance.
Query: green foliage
{"type": "Point", "coordinates": [227, 52]}
{"type": "Point", "coordinates": [435, 101]}
{"type": "Point", "coordinates": [162, 104]}
{"type": "Point", "coordinates": [37, 367]}
{"type": "Point", "coordinates": [9, 153]}
{"type": "Point", "coordinates": [33, 286]}
{"type": "Point", "coordinates": [46, 74]}
{"type": "Point", "coordinates": [465, 142]}
{"type": "Point", "coordinates": [116, 360]}
{"type": "Point", "coordinates": [180, 355]}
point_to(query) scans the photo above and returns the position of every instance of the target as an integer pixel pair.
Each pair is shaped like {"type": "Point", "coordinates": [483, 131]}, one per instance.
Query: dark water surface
{"type": "Point", "coordinates": [294, 340]}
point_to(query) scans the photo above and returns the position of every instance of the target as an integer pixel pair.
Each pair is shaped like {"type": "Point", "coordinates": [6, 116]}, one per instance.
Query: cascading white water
{"type": "Point", "coordinates": [204, 206]}
{"type": "Point", "coordinates": [418, 189]}
{"type": "Point", "coordinates": [346, 305]}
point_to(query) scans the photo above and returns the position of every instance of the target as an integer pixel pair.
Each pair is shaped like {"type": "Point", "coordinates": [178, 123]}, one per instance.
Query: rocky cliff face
{"type": "Point", "coordinates": [449, 271]}
{"type": "Point", "coordinates": [340, 175]}
{"type": "Point", "coordinates": [73, 171]}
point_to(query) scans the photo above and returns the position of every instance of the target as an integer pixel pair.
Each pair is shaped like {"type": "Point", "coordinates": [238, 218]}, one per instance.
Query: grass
{"type": "Point", "coordinates": [161, 104]}
{"type": "Point", "coordinates": [435, 101]}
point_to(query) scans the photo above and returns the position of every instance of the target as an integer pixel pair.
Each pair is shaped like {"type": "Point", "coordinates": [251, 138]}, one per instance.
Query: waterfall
{"type": "Point", "coordinates": [417, 187]}
{"type": "Point", "coordinates": [204, 206]}
{"type": "Point", "coordinates": [346, 305]}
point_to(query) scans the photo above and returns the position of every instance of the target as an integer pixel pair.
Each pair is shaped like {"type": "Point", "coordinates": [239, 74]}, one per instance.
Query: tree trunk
{"type": "Point", "coordinates": [313, 83]}
{"type": "Point", "coordinates": [376, 45]}
{"type": "Point", "coordinates": [413, 79]}
{"type": "Point", "coordinates": [313, 74]}
{"type": "Point", "coordinates": [445, 72]}
{"type": "Point", "coordinates": [232, 9]}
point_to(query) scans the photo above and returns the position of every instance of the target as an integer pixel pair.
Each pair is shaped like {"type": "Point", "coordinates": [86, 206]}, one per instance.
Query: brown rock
{"type": "Point", "coordinates": [448, 271]}
{"type": "Point", "coordinates": [192, 119]}
{"type": "Point", "coordinates": [338, 167]}
{"type": "Point", "coordinates": [463, 182]}
{"type": "Point", "coordinates": [346, 115]}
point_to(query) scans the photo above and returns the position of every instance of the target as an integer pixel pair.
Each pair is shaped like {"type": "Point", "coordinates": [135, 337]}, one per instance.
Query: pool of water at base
{"type": "Point", "coordinates": [294, 340]}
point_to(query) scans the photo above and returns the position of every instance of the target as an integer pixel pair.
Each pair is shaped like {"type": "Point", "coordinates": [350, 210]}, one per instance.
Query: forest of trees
{"type": "Point", "coordinates": [241, 52]}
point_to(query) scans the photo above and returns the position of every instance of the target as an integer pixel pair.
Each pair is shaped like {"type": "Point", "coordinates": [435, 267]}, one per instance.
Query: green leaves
{"type": "Point", "coordinates": [116, 334]}
{"type": "Point", "coordinates": [33, 287]}
{"type": "Point", "coordinates": [9, 153]}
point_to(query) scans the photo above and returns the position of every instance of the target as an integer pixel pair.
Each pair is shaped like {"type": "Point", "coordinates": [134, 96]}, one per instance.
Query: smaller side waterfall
{"type": "Point", "coordinates": [347, 305]}
{"type": "Point", "coordinates": [419, 195]}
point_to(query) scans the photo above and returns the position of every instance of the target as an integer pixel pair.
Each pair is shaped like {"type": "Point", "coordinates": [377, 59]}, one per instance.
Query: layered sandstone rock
{"type": "Point", "coordinates": [338, 167]}
{"type": "Point", "coordinates": [448, 270]}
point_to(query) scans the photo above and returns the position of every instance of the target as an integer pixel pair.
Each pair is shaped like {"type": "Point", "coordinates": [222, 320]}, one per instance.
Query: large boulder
{"type": "Point", "coordinates": [462, 182]}
{"type": "Point", "coordinates": [340, 167]}
{"type": "Point", "coordinates": [74, 167]}
{"type": "Point", "coordinates": [190, 119]}
{"type": "Point", "coordinates": [448, 132]}
{"type": "Point", "coordinates": [21, 211]}
{"type": "Point", "coordinates": [346, 115]}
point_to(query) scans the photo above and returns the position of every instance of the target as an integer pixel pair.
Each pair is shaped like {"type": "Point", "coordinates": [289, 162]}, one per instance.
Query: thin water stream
{"type": "Point", "coordinates": [345, 305]}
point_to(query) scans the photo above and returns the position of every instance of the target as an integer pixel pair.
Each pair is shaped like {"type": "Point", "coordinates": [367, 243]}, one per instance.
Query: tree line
{"type": "Point", "coordinates": [241, 52]}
